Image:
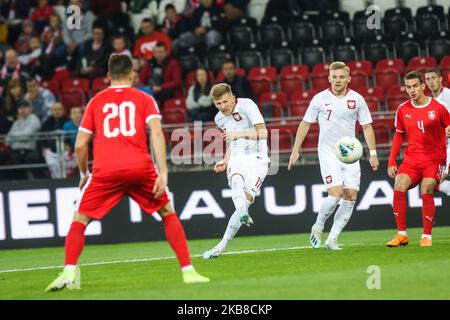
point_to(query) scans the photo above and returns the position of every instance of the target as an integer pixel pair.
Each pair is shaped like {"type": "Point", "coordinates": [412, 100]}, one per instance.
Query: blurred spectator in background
{"type": "Point", "coordinates": [235, 9]}
{"type": "Point", "coordinates": [13, 95]}
{"type": "Point", "coordinates": [29, 59]}
{"type": "Point", "coordinates": [22, 45]}
{"type": "Point", "coordinates": [12, 69]}
{"type": "Point", "coordinates": [14, 12]}
{"type": "Point", "coordinates": [163, 75]}
{"type": "Point", "coordinates": [199, 102]}
{"type": "Point", "coordinates": [108, 12]}
{"type": "Point", "coordinates": [4, 31]}
{"type": "Point", "coordinates": [20, 139]}
{"type": "Point", "coordinates": [145, 44]}
{"type": "Point", "coordinates": [41, 15]}
{"type": "Point", "coordinates": [41, 99]}
{"type": "Point", "coordinates": [136, 80]}
{"type": "Point", "coordinates": [239, 85]}
{"type": "Point", "coordinates": [208, 23]}
{"type": "Point", "coordinates": [76, 37]}
{"type": "Point", "coordinates": [55, 50]}
{"type": "Point", "coordinates": [48, 147]}
{"type": "Point", "coordinates": [120, 46]}
{"type": "Point", "coordinates": [71, 126]}
{"type": "Point", "coordinates": [177, 27]}
{"type": "Point", "coordinates": [94, 55]}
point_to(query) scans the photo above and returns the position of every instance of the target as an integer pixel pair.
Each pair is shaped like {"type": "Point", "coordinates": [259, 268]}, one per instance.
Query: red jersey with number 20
{"type": "Point", "coordinates": [118, 117]}
{"type": "Point", "coordinates": [425, 130]}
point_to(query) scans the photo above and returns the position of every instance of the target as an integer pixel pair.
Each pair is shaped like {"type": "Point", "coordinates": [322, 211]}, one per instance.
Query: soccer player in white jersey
{"type": "Point", "coordinates": [433, 79]}
{"type": "Point", "coordinates": [246, 160]}
{"type": "Point", "coordinates": [336, 109]}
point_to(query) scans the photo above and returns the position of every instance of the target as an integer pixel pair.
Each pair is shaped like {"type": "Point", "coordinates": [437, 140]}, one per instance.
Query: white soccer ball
{"type": "Point", "coordinates": [348, 150]}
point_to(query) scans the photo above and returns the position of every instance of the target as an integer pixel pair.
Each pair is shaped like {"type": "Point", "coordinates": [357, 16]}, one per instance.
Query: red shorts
{"type": "Point", "coordinates": [418, 171]}
{"type": "Point", "coordinates": [103, 191]}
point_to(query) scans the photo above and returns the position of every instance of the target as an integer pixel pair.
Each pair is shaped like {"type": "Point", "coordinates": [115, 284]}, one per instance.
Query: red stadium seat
{"type": "Point", "coordinates": [364, 66]}
{"type": "Point", "coordinates": [177, 115]}
{"type": "Point", "coordinates": [383, 133]}
{"type": "Point", "coordinates": [290, 85]}
{"type": "Point", "coordinates": [303, 96]}
{"type": "Point", "coordinates": [73, 98]}
{"type": "Point", "coordinates": [421, 63]}
{"type": "Point", "coordinates": [83, 84]}
{"type": "Point", "coordinates": [376, 92]}
{"type": "Point", "coordinates": [319, 82]}
{"type": "Point", "coordinates": [311, 141]}
{"type": "Point", "coordinates": [359, 80]}
{"type": "Point", "coordinates": [396, 91]}
{"type": "Point", "coordinates": [277, 99]}
{"type": "Point", "coordinates": [294, 71]}
{"type": "Point", "coordinates": [257, 73]}
{"type": "Point", "coordinates": [321, 69]}
{"type": "Point", "coordinates": [259, 86]}
{"type": "Point", "coordinates": [373, 104]}
{"type": "Point", "coordinates": [283, 144]}
{"type": "Point", "coordinates": [176, 103]}
{"type": "Point", "coordinates": [298, 108]}
{"type": "Point", "coordinates": [99, 84]}
{"type": "Point", "coordinates": [387, 78]}
{"type": "Point", "coordinates": [53, 85]}
{"type": "Point", "coordinates": [390, 64]}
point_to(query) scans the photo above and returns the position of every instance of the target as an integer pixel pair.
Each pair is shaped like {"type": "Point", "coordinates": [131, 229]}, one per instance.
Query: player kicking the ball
{"type": "Point", "coordinates": [118, 117]}
{"type": "Point", "coordinates": [246, 161]}
{"type": "Point", "coordinates": [425, 122]}
{"type": "Point", "coordinates": [433, 79]}
{"type": "Point", "coordinates": [336, 109]}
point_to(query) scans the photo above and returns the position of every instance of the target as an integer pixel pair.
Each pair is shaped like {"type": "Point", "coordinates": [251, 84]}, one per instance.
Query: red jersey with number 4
{"type": "Point", "coordinates": [118, 117]}
{"type": "Point", "coordinates": [425, 130]}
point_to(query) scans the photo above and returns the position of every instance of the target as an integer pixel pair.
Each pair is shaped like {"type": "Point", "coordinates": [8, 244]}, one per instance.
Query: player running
{"type": "Point", "coordinates": [246, 161]}
{"type": "Point", "coordinates": [433, 79]}
{"type": "Point", "coordinates": [336, 109]}
{"type": "Point", "coordinates": [117, 117]}
{"type": "Point", "coordinates": [425, 122]}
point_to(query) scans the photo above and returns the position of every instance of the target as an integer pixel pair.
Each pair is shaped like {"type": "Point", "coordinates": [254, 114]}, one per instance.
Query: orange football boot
{"type": "Point", "coordinates": [425, 242]}
{"type": "Point", "coordinates": [399, 240]}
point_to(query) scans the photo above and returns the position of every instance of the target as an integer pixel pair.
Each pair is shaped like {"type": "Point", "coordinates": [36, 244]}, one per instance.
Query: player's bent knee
{"type": "Point", "coordinates": [337, 192]}
{"type": "Point", "coordinates": [84, 219]}
{"type": "Point", "coordinates": [166, 210]}
{"type": "Point", "coordinates": [249, 197]}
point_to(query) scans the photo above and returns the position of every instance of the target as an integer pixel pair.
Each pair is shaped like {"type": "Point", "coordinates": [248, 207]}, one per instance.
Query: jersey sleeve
{"type": "Point", "coordinates": [87, 122]}
{"type": "Point", "coordinates": [445, 117]}
{"type": "Point", "coordinates": [312, 113]}
{"type": "Point", "coordinates": [253, 113]}
{"type": "Point", "coordinates": [364, 116]}
{"type": "Point", "coordinates": [151, 110]}
{"type": "Point", "coordinates": [398, 122]}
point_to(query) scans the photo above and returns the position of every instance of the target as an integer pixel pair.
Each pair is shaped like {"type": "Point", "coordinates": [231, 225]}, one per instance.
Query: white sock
{"type": "Point", "coordinates": [445, 187]}
{"type": "Point", "coordinates": [232, 228]}
{"type": "Point", "coordinates": [327, 208]}
{"type": "Point", "coordinates": [341, 218]}
{"type": "Point", "coordinates": [187, 268]}
{"type": "Point", "coordinates": [237, 192]}
{"type": "Point", "coordinates": [70, 267]}
{"type": "Point", "coordinates": [402, 233]}
{"type": "Point", "coordinates": [426, 236]}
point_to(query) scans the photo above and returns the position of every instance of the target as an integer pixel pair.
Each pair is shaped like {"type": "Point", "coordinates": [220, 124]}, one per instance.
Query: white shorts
{"type": "Point", "coordinates": [336, 173]}
{"type": "Point", "coordinates": [252, 168]}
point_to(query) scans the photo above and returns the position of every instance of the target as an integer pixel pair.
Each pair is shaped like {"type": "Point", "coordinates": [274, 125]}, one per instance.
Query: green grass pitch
{"type": "Point", "coordinates": [251, 270]}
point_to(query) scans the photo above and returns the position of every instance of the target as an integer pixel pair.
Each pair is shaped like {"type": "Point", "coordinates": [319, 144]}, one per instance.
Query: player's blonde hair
{"type": "Point", "coordinates": [219, 90]}
{"type": "Point", "coordinates": [339, 65]}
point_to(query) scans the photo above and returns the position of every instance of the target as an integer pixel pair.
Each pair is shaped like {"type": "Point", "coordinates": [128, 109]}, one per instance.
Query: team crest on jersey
{"type": "Point", "coordinates": [351, 104]}
{"type": "Point", "coordinates": [237, 116]}
{"type": "Point", "coordinates": [431, 115]}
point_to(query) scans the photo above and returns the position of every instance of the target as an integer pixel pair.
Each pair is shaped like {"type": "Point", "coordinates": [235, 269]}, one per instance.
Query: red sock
{"type": "Point", "coordinates": [177, 239]}
{"type": "Point", "coordinates": [74, 242]}
{"type": "Point", "coordinates": [428, 211]}
{"type": "Point", "coordinates": [400, 210]}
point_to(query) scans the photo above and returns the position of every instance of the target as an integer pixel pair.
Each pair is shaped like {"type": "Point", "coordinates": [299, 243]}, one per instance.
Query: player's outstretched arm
{"type": "Point", "coordinates": [302, 131]}
{"type": "Point", "coordinates": [260, 133]}
{"type": "Point", "coordinates": [82, 155]}
{"type": "Point", "coordinates": [395, 150]}
{"type": "Point", "coordinates": [369, 135]}
{"type": "Point", "coordinates": [159, 148]}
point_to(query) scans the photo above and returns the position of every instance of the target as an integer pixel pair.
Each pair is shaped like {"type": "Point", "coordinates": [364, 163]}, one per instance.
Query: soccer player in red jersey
{"type": "Point", "coordinates": [117, 117]}
{"type": "Point", "coordinates": [426, 123]}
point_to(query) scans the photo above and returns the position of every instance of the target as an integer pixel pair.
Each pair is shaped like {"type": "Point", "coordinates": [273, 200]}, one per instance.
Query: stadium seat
{"type": "Point", "coordinates": [294, 71]}
{"type": "Point", "coordinates": [376, 92]}
{"type": "Point", "coordinates": [75, 97]}
{"type": "Point", "coordinates": [375, 51]}
{"type": "Point", "coordinates": [428, 24]}
{"type": "Point", "coordinates": [246, 21]}
{"type": "Point", "coordinates": [359, 27]}
{"type": "Point", "coordinates": [277, 101]}
{"type": "Point", "coordinates": [436, 10]}
{"type": "Point", "coordinates": [362, 66]}
{"type": "Point", "coordinates": [240, 35]}
{"type": "Point", "coordinates": [189, 62]}
{"type": "Point", "coordinates": [239, 71]}
{"type": "Point", "coordinates": [311, 141]}
{"type": "Point", "coordinates": [306, 95]}
{"type": "Point", "coordinates": [407, 49]}
{"type": "Point", "coordinates": [373, 104]}
{"type": "Point", "coordinates": [99, 84]}
{"type": "Point", "coordinates": [390, 64]}
{"type": "Point", "coordinates": [383, 135]}
{"type": "Point", "coordinates": [298, 108]}
{"type": "Point", "coordinates": [396, 25]}
{"type": "Point", "coordinates": [395, 95]}
{"type": "Point", "coordinates": [421, 63]}
{"type": "Point", "coordinates": [176, 115]}
{"type": "Point", "coordinates": [439, 47]}
{"type": "Point", "coordinates": [319, 76]}
{"type": "Point", "coordinates": [311, 56]}
{"type": "Point", "coordinates": [358, 80]}
{"type": "Point", "coordinates": [175, 103]}
{"type": "Point", "coordinates": [284, 140]}
{"type": "Point", "coordinates": [387, 78]}
{"type": "Point", "coordinates": [280, 57]}
{"type": "Point", "coordinates": [445, 69]}
{"type": "Point", "coordinates": [53, 85]}
{"type": "Point", "coordinates": [81, 83]}
{"type": "Point", "coordinates": [342, 16]}
{"type": "Point", "coordinates": [289, 85]}
{"type": "Point", "coordinates": [344, 52]}
{"type": "Point", "coordinates": [333, 31]}
{"type": "Point", "coordinates": [404, 12]}
{"type": "Point", "coordinates": [262, 80]}
{"type": "Point", "coordinates": [249, 59]}
{"type": "Point", "coordinates": [302, 32]}
{"type": "Point", "coordinates": [270, 35]}
{"type": "Point", "coordinates": [215, 61]}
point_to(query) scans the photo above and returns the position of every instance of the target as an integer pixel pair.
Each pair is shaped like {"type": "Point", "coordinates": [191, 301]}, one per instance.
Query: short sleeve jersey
{"type": "Point", "coordinates": [118, 117]}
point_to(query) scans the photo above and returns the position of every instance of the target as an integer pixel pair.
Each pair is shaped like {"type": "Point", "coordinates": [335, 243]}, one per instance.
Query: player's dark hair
{"type": "Point", "coordinates": [120, 66]}
{"type": "Point", "coordinates": [169, 6]}
{"type": "Point", "coordinates": [414, 75]}
{"type": "Point", "coordinates": [435, 70]}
